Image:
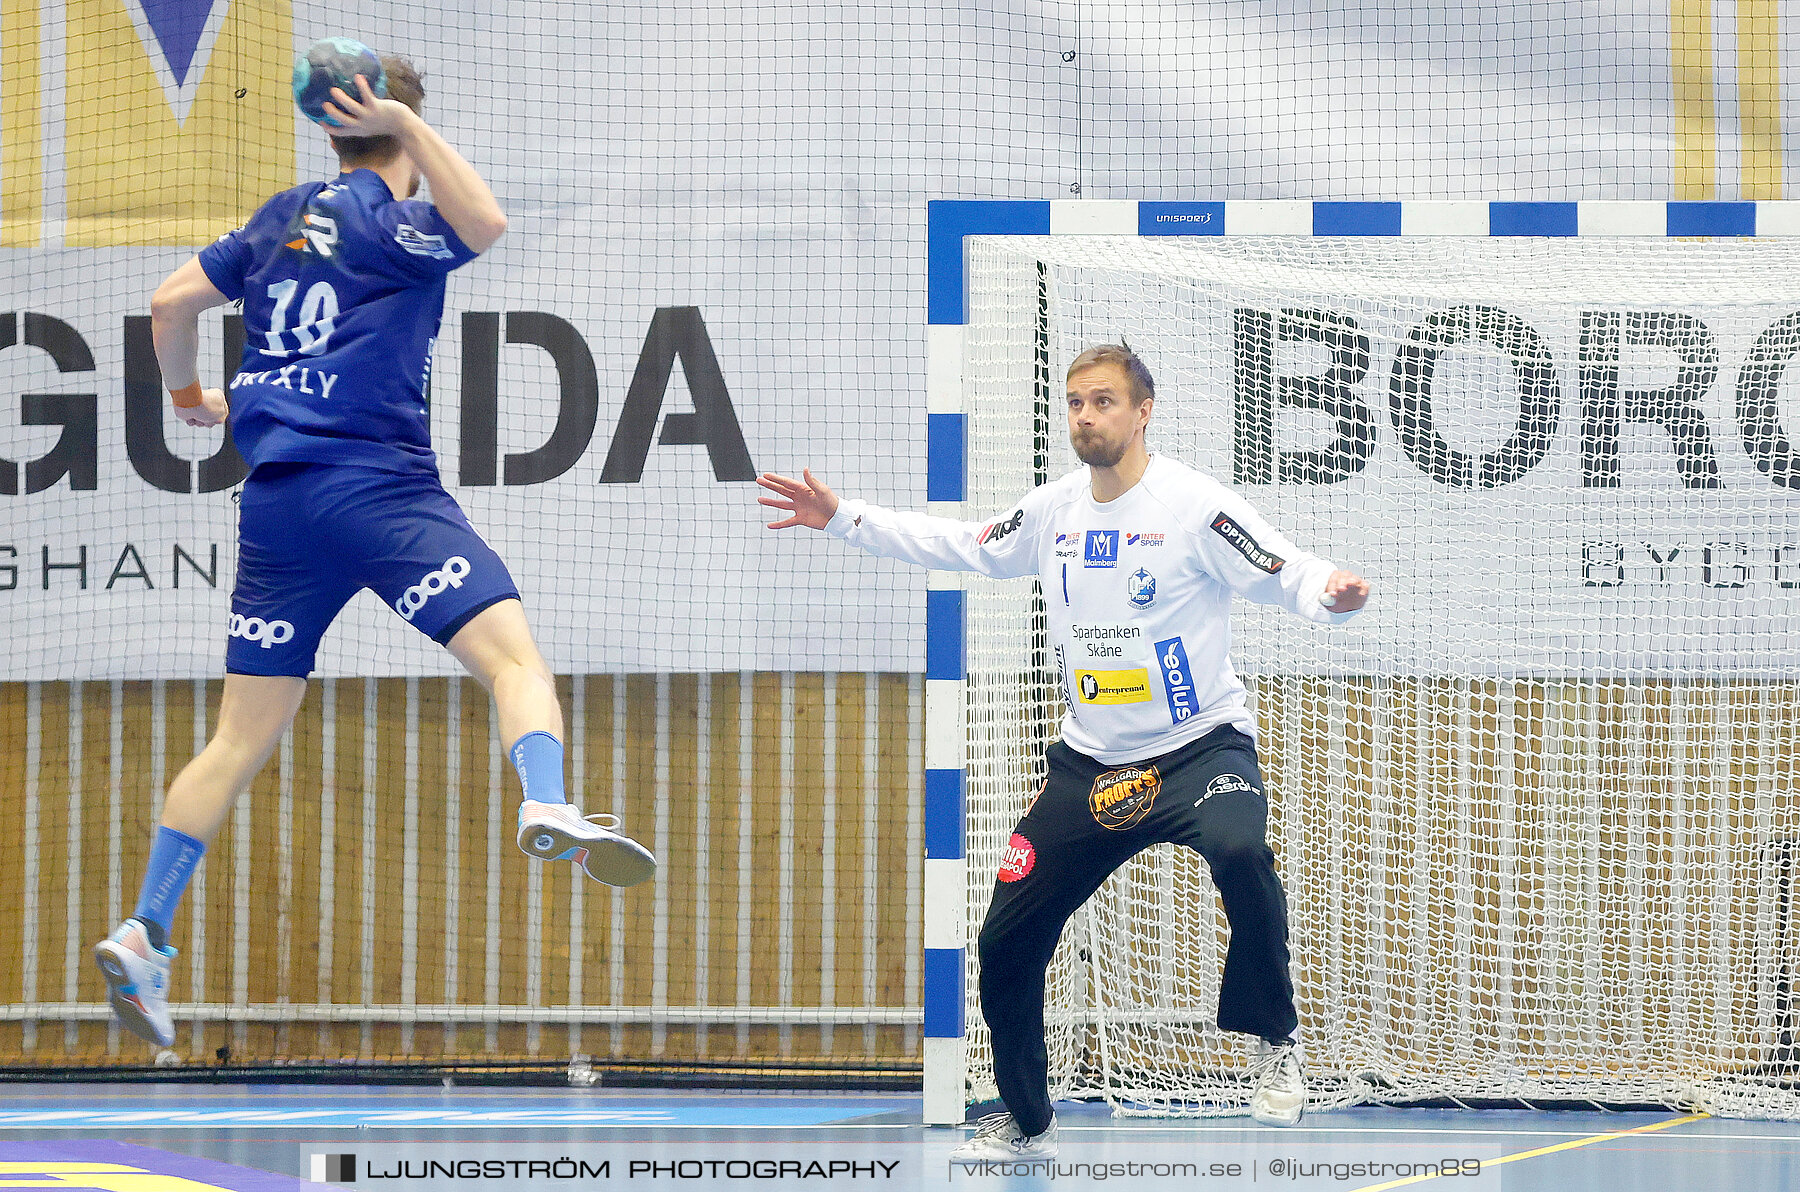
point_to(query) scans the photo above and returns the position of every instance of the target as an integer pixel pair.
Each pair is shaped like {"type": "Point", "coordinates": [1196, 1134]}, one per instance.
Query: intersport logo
{"type": "Point", "coordinates": [450, 575]}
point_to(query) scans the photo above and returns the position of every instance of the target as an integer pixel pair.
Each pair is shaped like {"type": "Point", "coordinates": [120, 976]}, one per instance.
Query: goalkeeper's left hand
{"type": "Point", "coordinates": [1345, 592]}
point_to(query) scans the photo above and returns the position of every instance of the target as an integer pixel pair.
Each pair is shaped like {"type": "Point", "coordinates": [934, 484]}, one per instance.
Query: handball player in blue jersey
{"type": "Point", "coordinates": [342, 284]}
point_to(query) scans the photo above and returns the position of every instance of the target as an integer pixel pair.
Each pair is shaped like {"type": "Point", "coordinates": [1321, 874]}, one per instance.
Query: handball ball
{"type": "Point", "coordinates": [335, 62]}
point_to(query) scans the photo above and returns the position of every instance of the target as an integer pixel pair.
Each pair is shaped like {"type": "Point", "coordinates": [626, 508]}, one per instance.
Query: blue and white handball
{"type": "Point", "coordinates": [335, 62]}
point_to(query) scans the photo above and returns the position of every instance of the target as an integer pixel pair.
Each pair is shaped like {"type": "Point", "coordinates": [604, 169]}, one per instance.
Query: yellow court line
{"type": "Point", "coordinates": [1759, 98]}
{"type": "Point", "coordinates": [1548, 1150]}
{"type": "Point", "coordinates": [1691, 62]}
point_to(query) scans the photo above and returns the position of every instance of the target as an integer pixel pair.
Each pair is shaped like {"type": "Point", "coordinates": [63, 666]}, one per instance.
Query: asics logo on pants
{"type": "Point", "coordinates": [264, 633]}
{"type": "Point", "coordinates": [450, 575]}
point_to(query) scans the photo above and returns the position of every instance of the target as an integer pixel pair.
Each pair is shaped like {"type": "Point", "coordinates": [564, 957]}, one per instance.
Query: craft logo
{"type": "Point", "coordinates": [1120, 798]}
{"type": "Point", "coordinates": [1102, 549]}
{"type": "Point", "coordinates": [1247, 546]}
{"type": "Point", "coordinates": [153, 89]}
{"type": "Point", "coordinates": [1018, 858]}
{"type": "Point", "coordinates": [333, 1169]}
{"type": "Point", "coordinates": [1113, 686]}
{"type": "Point", "coordinates": [1001, 529]}
{"type": "Point", "coordinates": [1067, 545]}
{"type": "Point", "coordinates": [1140, 588]}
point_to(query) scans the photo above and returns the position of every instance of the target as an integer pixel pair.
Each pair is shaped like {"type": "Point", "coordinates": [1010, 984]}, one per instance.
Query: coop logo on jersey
{"type": "Point", "coordinates": [1120, 798]}
{"type": "Point", "coordinates": [1001, 529]}
{"type": "Point", "coordinates": [259, 632]}
{"type": "Point", "coordinates": [1247, 546]}
{"type": "Point", "coordinates": [1140, 588]}
{"type": "Point", "coordinates": [1017, 859]}
{"type": "Point", "coordinates": [1178, 679]}
{"type": "Point", "coordinates": [450, 575]}
{"type": "Point", "coordinates": [1145, 539]}
{"type": "Point", "coordinates": [1113, 686]}
{"type": "Point", "coordinates": [1102, 549]}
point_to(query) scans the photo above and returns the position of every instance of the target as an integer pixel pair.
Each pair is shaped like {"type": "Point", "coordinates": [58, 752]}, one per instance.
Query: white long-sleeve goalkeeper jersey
{"type": "Point", "coordinates": [1138, 592]}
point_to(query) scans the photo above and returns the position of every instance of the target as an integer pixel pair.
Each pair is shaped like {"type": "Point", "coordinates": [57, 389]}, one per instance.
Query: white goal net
{"type": "Point", "coordinates": [1535, 809]}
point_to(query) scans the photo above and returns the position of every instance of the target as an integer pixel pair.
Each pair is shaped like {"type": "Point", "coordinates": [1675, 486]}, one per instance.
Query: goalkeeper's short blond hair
{"type": "Point", "coordinates": [1143, 385]}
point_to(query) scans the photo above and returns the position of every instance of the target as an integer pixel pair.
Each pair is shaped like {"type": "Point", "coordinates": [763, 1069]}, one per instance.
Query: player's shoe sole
{"type": "Point", "coordinates": [609, 858]}
{"type": "Point", "coordinates": [116, 963]}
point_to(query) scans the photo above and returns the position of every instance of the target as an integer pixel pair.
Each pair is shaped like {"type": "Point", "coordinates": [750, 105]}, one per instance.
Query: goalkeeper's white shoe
{"type": "Point", "coordinates": [559, 832]}
{"type": "Point", "coordinates": [1280, 1096]}
{"type": "Point", "coordinates": [997, 1139]}
{"type": "Point", "coordinates": [137, 982]}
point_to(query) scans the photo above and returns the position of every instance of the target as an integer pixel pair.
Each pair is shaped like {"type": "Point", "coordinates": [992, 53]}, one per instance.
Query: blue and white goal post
{"type": "Point", "coordinates": [951, 888]}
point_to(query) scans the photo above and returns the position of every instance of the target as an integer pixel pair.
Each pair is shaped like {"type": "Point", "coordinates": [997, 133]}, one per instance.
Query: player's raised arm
{"type": "Point", "coordinates": [175, 329]}
{"type": "Point", "coordinates": [457, 191]}
{"type": "Point", "coordinates": [1002, 547]}
{"type": "Point", "coordinates": [1259, 562]}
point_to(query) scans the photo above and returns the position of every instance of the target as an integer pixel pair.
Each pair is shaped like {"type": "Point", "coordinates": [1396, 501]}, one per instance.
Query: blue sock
{"type": "Point", "coordinates": [538, 757]}
{"type": "Point", "coordinates": [173, 856]}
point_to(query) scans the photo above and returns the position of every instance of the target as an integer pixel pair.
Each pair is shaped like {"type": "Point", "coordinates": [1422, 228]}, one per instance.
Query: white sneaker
{"type": "Point", "coordinates": [137, 982]}
{"type": "Point", "coordinates": [559, 832]}
{"type": "Point", "coordinates": [1280, 1096]}
{"type": "Point", "coordinates": [997, 1140]}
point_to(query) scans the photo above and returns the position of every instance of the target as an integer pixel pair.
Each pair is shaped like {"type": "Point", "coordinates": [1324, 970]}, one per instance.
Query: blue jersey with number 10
{"type": "Point", "coordinates": [343, 291]}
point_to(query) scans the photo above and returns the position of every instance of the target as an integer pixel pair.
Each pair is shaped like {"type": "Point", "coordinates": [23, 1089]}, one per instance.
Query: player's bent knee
{"type": "Point", "coordinates": [1239, 852]}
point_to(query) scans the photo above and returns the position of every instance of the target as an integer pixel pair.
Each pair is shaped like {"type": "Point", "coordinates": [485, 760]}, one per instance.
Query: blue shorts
{"type": "Point", "coordinates": [310, 536]}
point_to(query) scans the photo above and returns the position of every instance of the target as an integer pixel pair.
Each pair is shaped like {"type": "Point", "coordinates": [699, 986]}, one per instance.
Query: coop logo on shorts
{"type": "Point", "coordinates": [1113, 686]}
{"type": "Point", "coordinates": [450, 575]}
{"type": "Point", "coordinates": [1140, 588]}
{"type": "Point", "coordinates": [1017, 859]}
{"type": "Point", "coordinates": [1120, 798]}
{"type": "Point", "coordinates": [1102, 549]}
{"type": "Point", "coordinates": [261, 632]}
{"type": "Point", "coordinates": [1178, 679]}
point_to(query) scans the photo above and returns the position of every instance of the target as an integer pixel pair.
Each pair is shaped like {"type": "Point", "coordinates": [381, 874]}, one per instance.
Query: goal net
{"type": "Point", "coordinates": [1534, 809]}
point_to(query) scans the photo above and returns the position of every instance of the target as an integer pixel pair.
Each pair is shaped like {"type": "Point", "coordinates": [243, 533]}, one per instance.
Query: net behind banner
{"type": "Point", "coordinates": [1534, 808]}
{"type": "Point", "coordinates": [606, 383]}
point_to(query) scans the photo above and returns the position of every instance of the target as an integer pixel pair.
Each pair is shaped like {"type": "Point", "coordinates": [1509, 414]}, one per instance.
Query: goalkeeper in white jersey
{"type": "Point", "coordinates": [1139, 556]}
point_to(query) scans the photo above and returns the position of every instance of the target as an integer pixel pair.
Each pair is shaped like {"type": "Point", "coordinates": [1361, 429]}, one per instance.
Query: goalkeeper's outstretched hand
{"type": "Point", "coordinates": [1345, 592]}
{"type": "Point", "coordinates": [810, 502]}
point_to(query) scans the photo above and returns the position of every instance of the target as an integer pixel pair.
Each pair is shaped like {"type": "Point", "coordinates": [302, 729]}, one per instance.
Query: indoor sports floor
{"type": "Point", "coordinates": [275, 1138]}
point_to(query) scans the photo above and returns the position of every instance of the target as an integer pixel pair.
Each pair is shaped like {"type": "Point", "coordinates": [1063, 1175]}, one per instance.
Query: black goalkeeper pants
{"type": "Point", "coordinates": [1089, 820]}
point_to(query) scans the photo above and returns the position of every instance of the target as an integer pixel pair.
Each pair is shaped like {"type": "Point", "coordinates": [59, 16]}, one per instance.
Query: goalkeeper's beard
{"type": "Point", "coordinates": [1095, 451]}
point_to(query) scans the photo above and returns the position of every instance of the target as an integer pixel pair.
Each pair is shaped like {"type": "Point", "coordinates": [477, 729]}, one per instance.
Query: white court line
{"type": "Point", "coordinates": [745, 1128]}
